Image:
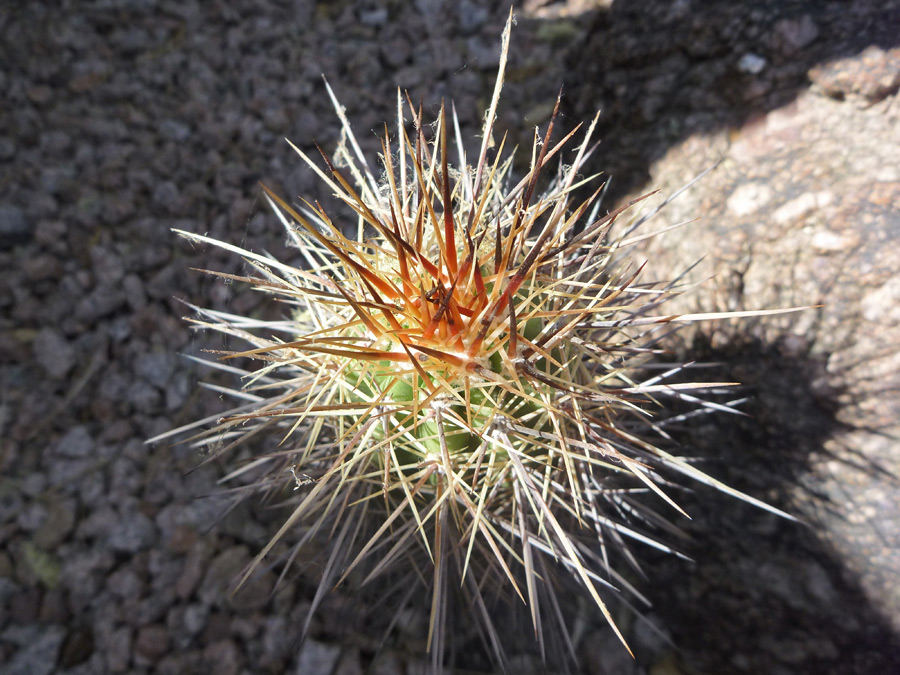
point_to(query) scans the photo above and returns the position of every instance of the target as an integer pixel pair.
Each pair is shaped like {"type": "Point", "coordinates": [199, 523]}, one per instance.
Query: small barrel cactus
{"type": "Point", "coordinates": [457, 388]}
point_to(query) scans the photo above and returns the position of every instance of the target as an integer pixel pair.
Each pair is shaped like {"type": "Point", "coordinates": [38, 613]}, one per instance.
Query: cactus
{"type": "Point", "coordinates": [460, 387]}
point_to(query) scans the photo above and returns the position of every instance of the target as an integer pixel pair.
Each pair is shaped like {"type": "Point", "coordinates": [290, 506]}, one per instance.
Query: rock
{"type": "Point", "coordinates": [42, 268]}
{"type": "Point", "coordinates": [33, 485]}
{"type": "Point", "coordinates": [276, 647]}
{"type": "Point", "coordinates": [792, 35]}
{"type": "Point", "coordinates": [222, 573]}
{"type": "Point", "coordinates": [167, 196]}
{"type": "Point", "coordinates": [58, 524]}
{"type": "Point", "coordinates": [603, 654]}
{"type": "Point", "coordinates": [125, 584]}
{"type": "Point", "coordinates": [54, 353]}
{"type": "Point", "coordinates": [152, 608]}
{"type": "Point", "coordinates": [144, 397]}
{"type": "Point", "coordinates": [152, 642]}
{"type": "Point", "coordinates": [15, 228]}
{"type": "Point", "coordinates": [374, 17]}
{"type": "Point", "coordinates": [119, 650]}
{"type": "Point", "coordinates": [6, 572]}
{"type": "Point", "coordinates": [218, 628]}
{"type": "Point", "coordinates": [749, 198]}
{"type": "Point", "coordinates": [107, 266]}
{"type": "Point", "coordinates": [51, 235]}
{"type": "Point", "coordinates": [350, 663]}
{"type": "Point", "coordinates": [77, 647]}
{"type": "Point", "coordinates": [194, 569]}
{"type": "Point", "coordinates": [126, 475]}
{"type": "Point", "coordinates": [54, 607]}
{"type": "Point", "coordinates": [99, 303]}
{"type": "Point", "coordinates": [175, 130]}
{"type": "Point", "coordinates": [752, 63]}
{"type": "Point", "coordinates": [7, 148]}
{"type": "Point", "coordinates": [225, 658]}
{"type": "Point", "coordinates": [84, 573]}
{"type": "Point", "coordinates": [38, 656]}
{"type": "Point", "coordinates": [91, 487]}
{"type": "Point", "coordinates": [156, 367]}
{"type": "Point", "coordinates": [869, 77]}
{"type": "Point", "coordinates": [471, 16]}
{"type": "Point", "coordinates": [32, 516]}
{"type": "Point", "coordinates": [135, 295]}
{"type": "Point", "coordinates": [77, 443]}
{"type": "Point", "coordinates": [797, 213]}
{"type": "Point", "coordinates": [132, 532]}
{"type": "Point", "coordinates": [195, 619]}
{"type": "Point", "coordinates": [11, 504]}
{"type": "Point", "coordinates": [24, 607]}
{"type": "Point", "coordinates": [316, 657]}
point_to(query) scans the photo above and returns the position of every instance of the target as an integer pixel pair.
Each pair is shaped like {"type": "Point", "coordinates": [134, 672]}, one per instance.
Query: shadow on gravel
{"type": "Point", "coordinates": [662, 71]}
{"type": "Point", "coordinates": [762, 587]}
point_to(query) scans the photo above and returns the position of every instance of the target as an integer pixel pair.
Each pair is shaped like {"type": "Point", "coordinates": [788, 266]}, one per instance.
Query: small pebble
{"type": "Point", "coordinates": [152, 642]}
{"type": "Point", "coordinates": [15, 228]}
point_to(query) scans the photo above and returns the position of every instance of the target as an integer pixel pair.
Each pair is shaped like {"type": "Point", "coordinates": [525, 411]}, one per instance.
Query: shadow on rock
{"type": "Point", "coordinates": [662, 71]}
{"type": "Point", "coordinates": [767, 595]}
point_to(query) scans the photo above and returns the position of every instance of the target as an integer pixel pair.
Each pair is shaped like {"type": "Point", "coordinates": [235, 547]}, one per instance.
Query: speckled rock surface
{"type": "Point", "coordinates": [124, 119]}
{"type": "Point", "coordinates": [803, 211]}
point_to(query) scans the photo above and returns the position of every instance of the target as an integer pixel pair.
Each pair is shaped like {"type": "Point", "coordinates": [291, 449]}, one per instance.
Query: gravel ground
{"type": "Point", "coordinates": [123, 119]}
